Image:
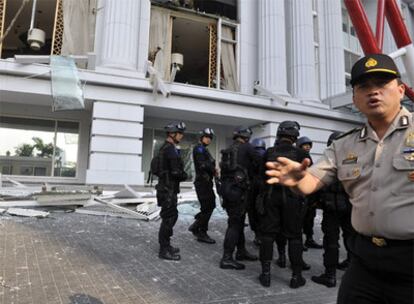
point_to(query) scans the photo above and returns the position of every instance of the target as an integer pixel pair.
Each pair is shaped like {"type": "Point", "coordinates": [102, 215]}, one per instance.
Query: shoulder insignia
{"type": "Point", "coordinates": [404, 121]}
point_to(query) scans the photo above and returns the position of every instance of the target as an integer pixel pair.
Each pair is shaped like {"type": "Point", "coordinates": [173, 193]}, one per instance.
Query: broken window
{"type": "Point", "coordinates": [188, 48]}
{"type": "Point", "coordinates": [68, 27]}
{"type": "Point", "coordinates": [224, 8]}
{"type": "Point", "coordinates": [38, 147]}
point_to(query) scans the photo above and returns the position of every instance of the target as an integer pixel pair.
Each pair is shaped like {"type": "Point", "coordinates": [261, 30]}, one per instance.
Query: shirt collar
{"type": "Point", "coordinates": [402, 121]}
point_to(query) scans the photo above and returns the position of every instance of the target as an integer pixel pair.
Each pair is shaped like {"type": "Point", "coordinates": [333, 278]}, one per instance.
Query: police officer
{"type": "Point", "coordinates": [236, 173]}
{"type": "Point", "coordinates": [167, 188]}
{"type": "Point", "coordinates": [283, 211]}
{"type": "Point", "coordinates": [306, 144]}
{"type": "Point", "coordinates": [336, 214]}
{"type": "Point", "coordinates": [255, 187]}
{"type": "Point", "coordinates": [375, 164]}
{"type": "Point", "coordinates": [205, 168]}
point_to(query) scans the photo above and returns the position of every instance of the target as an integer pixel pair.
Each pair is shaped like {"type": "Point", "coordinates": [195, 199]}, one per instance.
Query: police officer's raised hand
{"type": "Point", "coordinates": [286, 172]}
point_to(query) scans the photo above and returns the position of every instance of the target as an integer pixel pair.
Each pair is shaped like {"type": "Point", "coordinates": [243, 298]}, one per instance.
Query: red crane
{"type": "Point", "coordinates": [373, 44]}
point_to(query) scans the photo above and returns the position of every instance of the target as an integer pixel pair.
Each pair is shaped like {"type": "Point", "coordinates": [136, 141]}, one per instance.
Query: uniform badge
{"type": "Point", "coordinates": [409, 141]}
{"type": "Point", "coordinates": [351, 158]}
{"type": "Point", "coordinates": [371, 62]}
{"type": "Point", "coordinates": [409, 157]}
{"type": "Point", "coordinates": [411, 176]}
{"type": "Point", "coordinates": [356, 172]}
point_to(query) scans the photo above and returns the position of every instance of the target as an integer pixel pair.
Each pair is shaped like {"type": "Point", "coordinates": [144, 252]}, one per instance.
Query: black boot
{"type": "Point", "coordinates": [227, 262]}
{"type": "Point", "coordinates": [310, 243]}
{"type": "Point", "coordinates": [244, 255]}
{"type": "Point", "coordinates": [264, 277]}
{"type": "Point", "coordinates": [297, 280]}
{"type": "Point", "coordinates": [173, 249]}
{"type": "Point", "coordinates": [205, 238]}
{"type": "Point", "coordinates": [194, 229]}
{"type": "Point", "coordinates": [167, 254]}
{"type": "Point", "coordinates": [343, 265]}
{"type": "Point", "coordinates": [328, 279]}
{"type": "Point", "coordinates": [281, 261]}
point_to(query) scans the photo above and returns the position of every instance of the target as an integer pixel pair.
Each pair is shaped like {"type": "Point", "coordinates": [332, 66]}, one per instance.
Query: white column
{"type": "Point", "coordinates": [301, 63]}
{"type": "Point", "coordinates": [332, 49]}
{"type": "Point", "coordinates": [124, 27]}
{"type": "Point", "coordinates": [248, 16]}
{"type": "Point", "coordinates": [115, 152]}
{"type": "Point", "coordinates": [272, 46]}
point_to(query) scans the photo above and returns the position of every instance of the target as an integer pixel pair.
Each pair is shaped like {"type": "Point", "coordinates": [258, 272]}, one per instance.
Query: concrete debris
{"type": "Point", "coordinates": [34, 204]}
{"type": "Point", "coordinates": [83, 199]}
{"type": "Point", "coordinates": [27, 212]}
{"type": "Point", "coordinates": [122, 209]}
{"type": "Point", "coordinates": [62, 196]}
{"type": "Point", "coordinates": [102, 210]}
{"type": "Point", "coordinates": [15, 183]}
{"type": "Point", "coordinates": [128, 192]}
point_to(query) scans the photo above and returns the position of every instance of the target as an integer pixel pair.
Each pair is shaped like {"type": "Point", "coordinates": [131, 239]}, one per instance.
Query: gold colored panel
{"type": "Point", "coordinates": [2, 17]}
{"type": "Point", "coordinates": [212, 64]}
{"type": "Point", "coordinates": [57, 38]}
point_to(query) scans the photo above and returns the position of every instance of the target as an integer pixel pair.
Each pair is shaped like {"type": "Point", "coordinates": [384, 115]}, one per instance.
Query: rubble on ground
{"type": "Point", "coordinates": [39, 201]}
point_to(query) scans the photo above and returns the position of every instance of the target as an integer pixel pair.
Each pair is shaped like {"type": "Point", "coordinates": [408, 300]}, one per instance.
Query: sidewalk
{"type": "Point", "coordinates": [73, 258]}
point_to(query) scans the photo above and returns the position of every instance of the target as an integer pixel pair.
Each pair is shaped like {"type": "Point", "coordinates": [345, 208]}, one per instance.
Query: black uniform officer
{"type": "Point", "coordinates": [306, 144]}
{"type": "Point", "coordinates": [336, 214]}
{"type": "Point", "coordinates": [283, 211]}
{"type": "Point", "coordinates": [255, 187]}
{"type": "Point", "coordinates": [167, 188]}
{"type": "Point", "coordinates": [205, 168]}
{"type": "Point", "coordinates": [236, 173]}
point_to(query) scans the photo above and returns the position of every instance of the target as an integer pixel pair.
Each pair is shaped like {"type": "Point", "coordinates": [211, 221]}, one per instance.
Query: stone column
{"type": "Point", "coordinates": [247, 12]}
{"type": "Point", "coordinates": [115, 150]}
{"type": "Point", "coordinates": [124, 28]}
{"type": "Point", "coordinates": [272, 46]}
{"type": "Point", "coordinates": [332, 47]}
{"type": "Point", "coordinates": [301, 61]}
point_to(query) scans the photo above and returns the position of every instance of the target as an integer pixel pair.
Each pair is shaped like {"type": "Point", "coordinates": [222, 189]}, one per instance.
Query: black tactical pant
{"type": "Point", "coordinates": [332, 221]}
{"type": "Point", "coordinates": [167, 200]}
{"type": "Point", "coordinates": [282, 222]}
{"type": "Point", "coordinates": [378, 275]}
{"type": "Point", "coordinates": [308, 221]}
{"type": "Point", "coordinates": [251, 206]}
{"type": "Point", "coordinates": [234, 236]}
{"type": "Point", "coordinates": [207, 199]}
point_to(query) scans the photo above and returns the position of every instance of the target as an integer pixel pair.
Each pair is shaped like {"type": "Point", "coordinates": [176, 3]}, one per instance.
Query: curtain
{"type": "Point", "coordinates": [160, 41]}
{"type": "Point", "coordinates": [228, 61]}
{"type": "Point", "coordinates": [77, 27]}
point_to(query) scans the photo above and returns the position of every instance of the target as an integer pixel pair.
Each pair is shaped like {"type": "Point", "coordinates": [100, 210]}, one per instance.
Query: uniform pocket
{"type": "Point", "coordinates": [349, 173]}
{"type": "Point", "coordinates": [402, 185]}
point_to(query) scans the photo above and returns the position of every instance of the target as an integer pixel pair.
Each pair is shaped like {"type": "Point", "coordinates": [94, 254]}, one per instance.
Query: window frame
{"type": "Point", "coordinates": [207, 19]}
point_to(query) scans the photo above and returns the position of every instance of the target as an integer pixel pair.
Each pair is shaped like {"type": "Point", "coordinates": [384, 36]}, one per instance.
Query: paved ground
{"type": "Point", "coordinates": [73, 258]}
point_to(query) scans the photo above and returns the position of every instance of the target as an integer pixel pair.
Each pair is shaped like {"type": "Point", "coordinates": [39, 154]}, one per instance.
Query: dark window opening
{"type": "Point", "coordinates": [191, 39]}
{"type": "Point", "coordinates": [16, 41]}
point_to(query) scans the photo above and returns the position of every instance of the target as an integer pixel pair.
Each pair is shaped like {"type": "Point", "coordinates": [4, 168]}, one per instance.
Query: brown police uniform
{"type": "Point", "coordinates": [378, 175]}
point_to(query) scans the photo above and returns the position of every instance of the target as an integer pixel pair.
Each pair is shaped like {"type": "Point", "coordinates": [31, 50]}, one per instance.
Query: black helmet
{"type": "Point", "coordinates": [288, 128]}
{"type": "Point", "coordinates": [208, 132]}
{"type": "Point", "coordinates": [303, 140]}
{"type": "Point", "coordinates": [174, 127]}
{"type": "Point", "coordinates": [259, 143]}
{"type": "Point", "coordinates": [333, 136]}
{"type": "Point", "coordinates": [244, 132]}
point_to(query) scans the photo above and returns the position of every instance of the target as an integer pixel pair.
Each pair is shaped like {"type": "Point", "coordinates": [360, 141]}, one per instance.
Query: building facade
{"type": "Point", "coordinates": [142, 64]}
